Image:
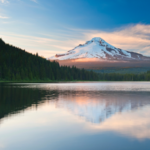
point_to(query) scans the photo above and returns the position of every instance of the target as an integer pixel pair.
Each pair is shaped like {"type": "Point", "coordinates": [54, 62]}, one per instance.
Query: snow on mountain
{"type": "Point", "coordinates": [98, 48]}
{"type": "Point", "coordinates": [93, 112]}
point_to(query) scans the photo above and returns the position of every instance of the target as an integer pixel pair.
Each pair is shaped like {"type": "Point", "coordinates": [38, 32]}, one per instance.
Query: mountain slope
{"type": "Point", "coordinates": [18, 65]}
{"type": "Point", "coordinates": [98, 48]}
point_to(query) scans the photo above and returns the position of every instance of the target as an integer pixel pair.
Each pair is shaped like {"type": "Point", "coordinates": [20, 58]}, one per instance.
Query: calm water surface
{"type": "Point", "coordinates": [75, 116]}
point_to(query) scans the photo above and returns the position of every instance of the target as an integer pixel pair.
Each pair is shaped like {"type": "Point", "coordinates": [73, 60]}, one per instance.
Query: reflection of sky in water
{"type": "Point", "coordinates": [82, 116]}
{"type": "Point", "coordinates": [95, 107]}
{"type": "Point", "coordinates": [93, 86]}
{"type": "Point", "coordinates": [123, 112]}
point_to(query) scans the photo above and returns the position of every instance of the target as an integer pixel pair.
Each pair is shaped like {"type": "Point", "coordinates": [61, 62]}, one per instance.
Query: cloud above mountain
{"type": "Point", "coordinates": [134, 38]}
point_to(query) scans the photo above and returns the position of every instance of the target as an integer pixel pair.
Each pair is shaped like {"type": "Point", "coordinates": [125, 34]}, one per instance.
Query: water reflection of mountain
{"type": "Point", "coordinates": [93, 106]}
{"type": "Point", "coordinates": [98, 106]}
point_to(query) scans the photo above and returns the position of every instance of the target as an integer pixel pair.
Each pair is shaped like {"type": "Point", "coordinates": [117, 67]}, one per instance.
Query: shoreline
{"type": "Point", "coordinates": [65, 81]}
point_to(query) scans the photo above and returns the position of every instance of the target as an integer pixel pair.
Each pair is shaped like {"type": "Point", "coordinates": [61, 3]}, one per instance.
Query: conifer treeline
{"type": "Point", "coordinates": [124, 77]}
{"type": "Point", "coordinates": [18, 65]}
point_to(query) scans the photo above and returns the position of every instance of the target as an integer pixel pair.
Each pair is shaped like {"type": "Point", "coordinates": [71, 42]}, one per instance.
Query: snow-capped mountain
{"type": "Point", "coordinates": [98, 48]}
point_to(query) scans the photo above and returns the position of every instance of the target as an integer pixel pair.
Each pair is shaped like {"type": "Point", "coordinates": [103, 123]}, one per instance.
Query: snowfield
{"type": "Point", "coordinates": [97, 48]}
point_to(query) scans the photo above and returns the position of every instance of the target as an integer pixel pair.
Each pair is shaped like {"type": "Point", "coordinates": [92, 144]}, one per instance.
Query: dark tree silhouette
{"type": "Point", "coordinates": [18, 65]}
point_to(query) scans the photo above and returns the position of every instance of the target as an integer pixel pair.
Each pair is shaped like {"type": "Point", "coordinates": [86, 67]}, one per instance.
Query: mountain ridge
{"type": "Point", "coordinates": [100, 49]}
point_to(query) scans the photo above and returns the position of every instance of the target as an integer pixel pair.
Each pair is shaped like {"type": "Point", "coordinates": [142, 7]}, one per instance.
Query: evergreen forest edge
{"type": "Point", "coordinates": [17, 65]}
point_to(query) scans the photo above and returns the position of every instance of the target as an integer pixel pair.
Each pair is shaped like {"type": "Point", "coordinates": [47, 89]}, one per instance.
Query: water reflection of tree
{"type": "Point", "coordinates": [15, 99]}
{"type": "Point", "coordinates": [94, 106]}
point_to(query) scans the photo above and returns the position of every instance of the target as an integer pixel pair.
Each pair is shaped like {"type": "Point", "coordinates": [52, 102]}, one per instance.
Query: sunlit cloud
{"type": "Point", "coordinates": [134, 38]}
{"type": "Point", "coordinates": [43, 46]}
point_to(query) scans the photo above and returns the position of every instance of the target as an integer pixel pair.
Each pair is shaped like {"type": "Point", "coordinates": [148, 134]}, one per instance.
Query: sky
{"type": "Point", "coordinates": [50, 27]}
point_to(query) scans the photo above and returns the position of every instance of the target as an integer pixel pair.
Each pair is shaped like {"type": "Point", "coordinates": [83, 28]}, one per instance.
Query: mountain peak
{"type": "Point", "coordinates": [97, 39]}
{"type": "Point", "coordinates": [100, 49]}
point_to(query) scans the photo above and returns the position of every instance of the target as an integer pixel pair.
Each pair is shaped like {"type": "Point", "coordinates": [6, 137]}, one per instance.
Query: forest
{"type": "Point", "coordinates": [124, 77]}
{"type": "Point", "coordinates": [18, 65]}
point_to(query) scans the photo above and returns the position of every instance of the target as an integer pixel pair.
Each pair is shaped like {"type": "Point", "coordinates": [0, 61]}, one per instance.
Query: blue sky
{"type": "Point", "coordinates": [56, 26]}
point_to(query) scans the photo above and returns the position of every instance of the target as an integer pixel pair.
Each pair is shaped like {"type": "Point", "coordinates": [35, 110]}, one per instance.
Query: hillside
{"type": "Point", "coordinates": [135, 70]}
{"type": "Point", "coordinates": [18, 65]}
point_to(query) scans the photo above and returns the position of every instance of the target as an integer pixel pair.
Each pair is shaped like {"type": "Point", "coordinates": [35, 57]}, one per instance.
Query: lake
{"type": "Point", "coordinates": [75, 116]}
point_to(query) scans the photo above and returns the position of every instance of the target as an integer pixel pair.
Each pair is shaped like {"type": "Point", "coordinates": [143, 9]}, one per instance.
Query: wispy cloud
{"type": "Point", "coordinates": [3, 17]}
{"type": "Point", "coordinates": [3, 1]}
{"type": "Point", "coordinates": [133, 38]}
{"type": "Point", "coordinates": [44, 46]}
{"type": "Point", "coordinates": [34, 1]}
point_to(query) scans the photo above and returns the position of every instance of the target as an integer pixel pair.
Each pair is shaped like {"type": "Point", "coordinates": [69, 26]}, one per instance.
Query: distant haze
{"type": "Point", "coordinates": [97, 64]}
